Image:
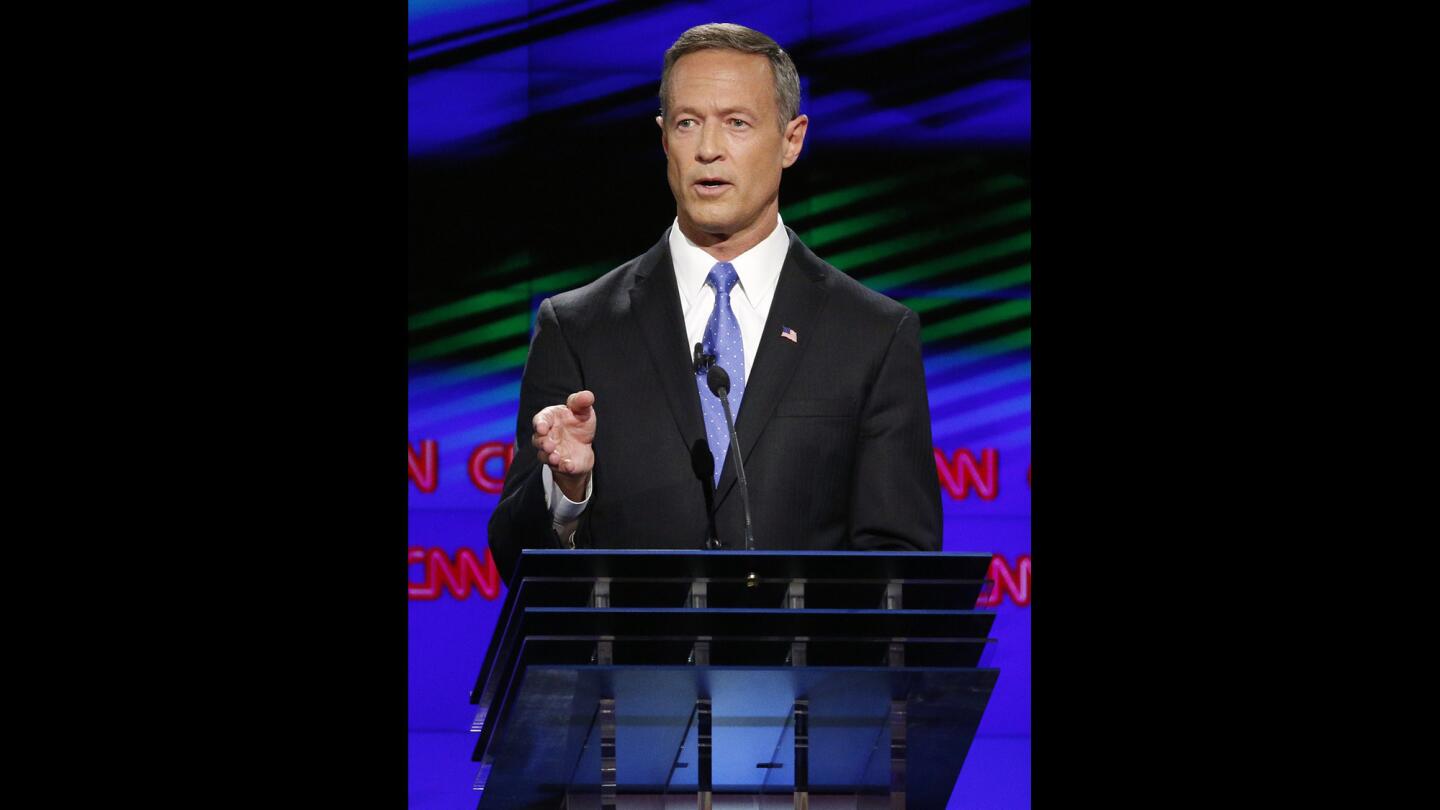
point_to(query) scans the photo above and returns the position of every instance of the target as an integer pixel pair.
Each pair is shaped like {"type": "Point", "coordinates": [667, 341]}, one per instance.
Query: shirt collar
{"type": "Point", "coordinates": [757, 268]}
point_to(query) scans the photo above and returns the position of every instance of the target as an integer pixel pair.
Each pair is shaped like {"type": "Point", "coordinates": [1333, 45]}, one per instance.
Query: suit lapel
{"type": "Point", "coordinates": [655, 306]}
{"type": "Point", "coordinates": [799, 297]}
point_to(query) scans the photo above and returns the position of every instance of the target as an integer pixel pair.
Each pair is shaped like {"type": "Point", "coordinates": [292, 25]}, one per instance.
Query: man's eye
{"type": "Point", "coordinates": [686, 123]}
{"type": "Point", "coordinates": [738, 123]}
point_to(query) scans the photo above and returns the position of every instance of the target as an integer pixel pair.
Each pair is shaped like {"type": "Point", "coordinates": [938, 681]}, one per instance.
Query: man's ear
{"type": "Point", "coordinates": [795, 139]}
{"type": "Point", "coordinates": [660, 120]}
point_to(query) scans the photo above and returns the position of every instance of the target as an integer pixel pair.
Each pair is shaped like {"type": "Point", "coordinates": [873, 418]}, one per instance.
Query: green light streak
{"type": "Point", "coordinates": [514, 294]}
{"type": "Point", "coordinates": [516, 326]}
{"type": "Point", "coordinates": [974, 353]}
{"type": "Point", "coordinates": [840, 198]}
{"type": "Point", "coordinates": [934, 267]}
{"type": "Point", "coordinates": [566, 279]}
{"type": "Point", "coordinates": [859, 257]}
{"type": "Point", "coordinates": [822, 235]}
{"type": "Point", "coordinates": [831, 200]}
{"type": "Point", "coordinates": [469, 306]}
{"type": "Point", "coordinates": [976, 320]}
{"type": "Point", "coordinates": [511, 263]}
{"type": "Point", "coordinates": [1000, 345]}
{"type": "Point", "coordinates": [1004, 215]}
{"type": "Point", "coordinates": [970, 290]}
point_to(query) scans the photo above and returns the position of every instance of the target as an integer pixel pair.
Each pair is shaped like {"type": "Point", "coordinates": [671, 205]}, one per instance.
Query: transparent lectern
{"type": "Point", "coordinates": [658, 680]}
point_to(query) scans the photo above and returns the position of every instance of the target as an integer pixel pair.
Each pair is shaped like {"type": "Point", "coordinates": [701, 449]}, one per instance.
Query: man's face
{"type": "Point", "coordinates": [724, 142]}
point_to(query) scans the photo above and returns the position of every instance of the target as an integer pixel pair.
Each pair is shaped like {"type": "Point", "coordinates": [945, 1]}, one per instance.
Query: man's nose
{"type": "Point", "coordinates": [710, 148]}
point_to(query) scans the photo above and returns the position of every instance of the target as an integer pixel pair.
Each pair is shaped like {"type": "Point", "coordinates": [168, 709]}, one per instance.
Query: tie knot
{"type": "Point", "coordinates": [722, 277]}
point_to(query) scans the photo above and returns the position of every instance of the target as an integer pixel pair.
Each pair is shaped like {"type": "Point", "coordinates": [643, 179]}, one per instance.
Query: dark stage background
{"type": "Point", "coordinates": [535, 166]}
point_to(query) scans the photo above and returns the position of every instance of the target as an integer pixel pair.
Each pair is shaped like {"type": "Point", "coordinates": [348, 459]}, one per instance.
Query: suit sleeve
{"type": "Point", "coordinates": [895, 494]}
{"type": "Point", "coordinates": [522, 520]}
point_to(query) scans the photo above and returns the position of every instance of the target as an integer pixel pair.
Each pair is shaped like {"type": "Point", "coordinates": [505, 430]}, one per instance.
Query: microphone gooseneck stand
{"type": "Point", "coordinates": [719, 383]}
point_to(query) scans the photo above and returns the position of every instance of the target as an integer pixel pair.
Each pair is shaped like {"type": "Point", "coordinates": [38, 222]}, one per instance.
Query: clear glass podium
{"type": "Point", "coordinates": [652, 680]}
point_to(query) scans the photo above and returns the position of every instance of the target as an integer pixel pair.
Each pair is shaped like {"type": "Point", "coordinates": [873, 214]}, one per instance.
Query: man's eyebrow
{"type": "Point", "coordinates": [687, 110]}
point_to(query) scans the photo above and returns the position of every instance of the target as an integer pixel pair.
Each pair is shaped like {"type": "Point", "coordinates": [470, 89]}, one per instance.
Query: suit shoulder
{"type": "Point", "coordinates": [608, 297]}
{"type": "Point", "coordinates": [581, 299]}
{"type": "Point", "coordinates": [858, 300]}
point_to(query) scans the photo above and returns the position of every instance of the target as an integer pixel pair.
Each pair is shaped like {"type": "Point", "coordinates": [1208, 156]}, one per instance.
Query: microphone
{"type": "Point", "coordinates": [702, 360]}
{"type": "Point", "coordinates": [719, 383]}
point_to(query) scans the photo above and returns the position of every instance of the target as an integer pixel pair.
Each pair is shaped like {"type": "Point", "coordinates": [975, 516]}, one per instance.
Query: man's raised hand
{"type": "Point", "coordinates": [562, 439]}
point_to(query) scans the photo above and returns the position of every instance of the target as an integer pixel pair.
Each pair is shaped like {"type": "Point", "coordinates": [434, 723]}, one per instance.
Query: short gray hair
{"type": "Point", "coordinates": [732, 37]}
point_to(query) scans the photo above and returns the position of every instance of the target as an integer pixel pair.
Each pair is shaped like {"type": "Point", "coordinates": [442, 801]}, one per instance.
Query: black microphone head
{"type": "Point", "coordinates": [718, 381]}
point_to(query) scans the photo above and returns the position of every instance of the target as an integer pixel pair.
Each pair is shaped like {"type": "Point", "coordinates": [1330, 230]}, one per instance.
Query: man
{"type": "Point", "coordinates": [621, 444]}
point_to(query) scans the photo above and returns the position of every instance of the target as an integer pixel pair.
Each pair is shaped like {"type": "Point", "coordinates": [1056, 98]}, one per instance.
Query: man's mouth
{"type": "Point", "coordinates": [711, 186]}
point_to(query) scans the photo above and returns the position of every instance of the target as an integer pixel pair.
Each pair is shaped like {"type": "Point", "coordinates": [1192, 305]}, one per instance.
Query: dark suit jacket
{"type": "Point", "coordinates": [834, 428]}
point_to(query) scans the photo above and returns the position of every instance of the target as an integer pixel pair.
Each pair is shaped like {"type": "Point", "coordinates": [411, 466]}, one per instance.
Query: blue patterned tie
{"type": "Point", "coordinates": [722, 339]}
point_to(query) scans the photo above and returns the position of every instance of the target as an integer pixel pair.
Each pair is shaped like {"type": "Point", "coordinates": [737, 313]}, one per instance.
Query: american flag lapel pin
{"type": "Point", "coordinates": [789, 334]}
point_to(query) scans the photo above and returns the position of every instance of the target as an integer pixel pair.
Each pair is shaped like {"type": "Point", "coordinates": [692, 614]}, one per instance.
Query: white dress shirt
{"type": "Point", "coordinates": [758, 270]}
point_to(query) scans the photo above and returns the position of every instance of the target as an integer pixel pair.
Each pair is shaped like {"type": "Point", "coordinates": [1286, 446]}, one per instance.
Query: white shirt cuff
{"type": "Point", "coordinates": [562, 509]}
